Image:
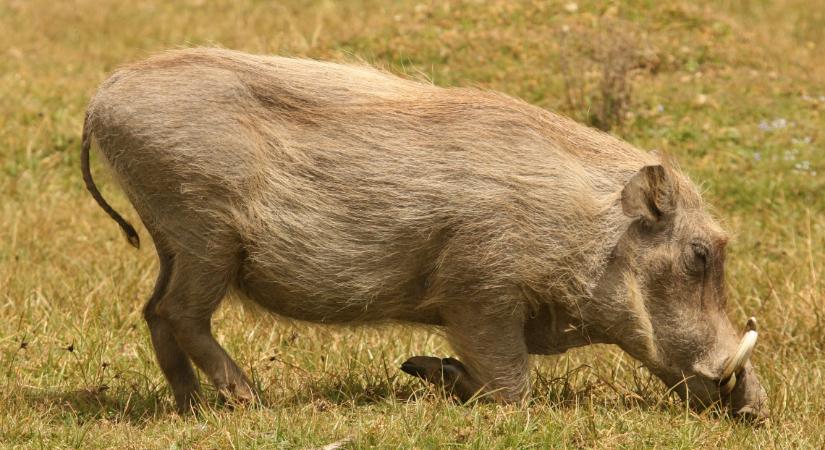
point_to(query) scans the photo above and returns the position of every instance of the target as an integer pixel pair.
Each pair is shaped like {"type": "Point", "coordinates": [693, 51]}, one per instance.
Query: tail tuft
{"type": "Point", "coordinates": [132, 236]}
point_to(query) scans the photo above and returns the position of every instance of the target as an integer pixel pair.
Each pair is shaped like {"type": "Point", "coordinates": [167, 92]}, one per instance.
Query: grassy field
{"type": "Point", "coordinates": [735, 89]}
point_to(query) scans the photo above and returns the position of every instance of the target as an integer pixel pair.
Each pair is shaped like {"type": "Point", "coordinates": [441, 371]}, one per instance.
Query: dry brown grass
{"type": "Point", "coordinates": [598, 65]}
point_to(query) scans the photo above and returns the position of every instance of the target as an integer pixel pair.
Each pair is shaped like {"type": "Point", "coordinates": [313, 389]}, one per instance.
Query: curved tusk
{"type": "Point", "coordinates": [740, 358]}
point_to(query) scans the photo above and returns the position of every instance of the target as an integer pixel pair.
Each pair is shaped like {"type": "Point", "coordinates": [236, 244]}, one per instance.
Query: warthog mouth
{"type": "Point", "coordinates": [737, 362]}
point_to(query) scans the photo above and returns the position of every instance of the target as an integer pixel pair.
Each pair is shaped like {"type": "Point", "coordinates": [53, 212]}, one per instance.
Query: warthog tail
{"type": "Point", "coordinates": [127, 228]}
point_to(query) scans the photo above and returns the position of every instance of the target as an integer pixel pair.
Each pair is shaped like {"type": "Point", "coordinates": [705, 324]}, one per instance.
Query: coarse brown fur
{"type": "Point", "coordinates": [342, 194]}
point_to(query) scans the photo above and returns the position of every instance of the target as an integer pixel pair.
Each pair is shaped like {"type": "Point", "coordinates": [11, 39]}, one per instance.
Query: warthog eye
{"type": "Point", "coordinates": [697, 259]}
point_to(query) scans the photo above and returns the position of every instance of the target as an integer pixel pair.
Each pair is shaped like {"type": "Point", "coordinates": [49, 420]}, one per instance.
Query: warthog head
{"type": "Point", "coordinates": [667, 273]}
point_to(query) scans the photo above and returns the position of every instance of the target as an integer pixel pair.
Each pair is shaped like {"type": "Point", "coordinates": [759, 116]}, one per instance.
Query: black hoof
{"type": "Point", "coordinates": [421, 366]}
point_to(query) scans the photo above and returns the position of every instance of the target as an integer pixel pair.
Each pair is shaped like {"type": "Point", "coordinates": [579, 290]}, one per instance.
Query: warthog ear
{"type": "Point", "coordinates": [649, 194]}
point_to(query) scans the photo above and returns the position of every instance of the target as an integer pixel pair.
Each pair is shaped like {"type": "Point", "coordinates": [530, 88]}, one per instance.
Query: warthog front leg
{"type": "Point", "coordinates": [493, 352]}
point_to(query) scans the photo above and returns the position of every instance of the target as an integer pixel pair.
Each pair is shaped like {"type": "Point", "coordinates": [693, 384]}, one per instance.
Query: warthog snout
{"type": "Point", "coordinates": [748, 400]}
{"type": "Point", "coordinates": [726, 377]}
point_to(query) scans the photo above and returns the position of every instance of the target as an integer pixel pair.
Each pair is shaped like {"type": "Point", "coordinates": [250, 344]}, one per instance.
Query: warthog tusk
{"type": "Point", "coordinates": [737, 362]}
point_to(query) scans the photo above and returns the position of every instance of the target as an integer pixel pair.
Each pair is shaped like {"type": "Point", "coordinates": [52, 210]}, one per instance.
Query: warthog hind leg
{"type": "Point", "coordinates": [192, 296]}
{"type": "Point", "coordinates": [173, 361]}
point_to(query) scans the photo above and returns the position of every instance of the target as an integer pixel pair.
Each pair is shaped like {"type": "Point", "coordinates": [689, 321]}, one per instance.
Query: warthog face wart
{"type": "Point", "coordinates": [342, 194]}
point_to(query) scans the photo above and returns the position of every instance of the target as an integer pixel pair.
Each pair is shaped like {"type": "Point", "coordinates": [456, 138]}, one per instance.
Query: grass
{"type": "Point", "coordinates": [738, 95]}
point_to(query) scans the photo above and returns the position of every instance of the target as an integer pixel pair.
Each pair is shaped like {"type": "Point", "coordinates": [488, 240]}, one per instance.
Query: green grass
{"type": "Point", "coordinates": [75, 358]}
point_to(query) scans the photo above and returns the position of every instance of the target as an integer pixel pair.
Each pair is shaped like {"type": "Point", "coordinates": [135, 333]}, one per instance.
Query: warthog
{"type": "Point", "coordinates": [342, 194]}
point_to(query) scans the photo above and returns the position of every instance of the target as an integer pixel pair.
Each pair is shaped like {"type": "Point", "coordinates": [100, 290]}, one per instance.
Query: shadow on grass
{"type": "Point", "coordinates": [352, 390]}
{"type": "Point", "coordinates": [336, 390]}
{"type": "Point", "coordinates": [97, 403]}
{"type": "Point", "coordinates": [566, 392]}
